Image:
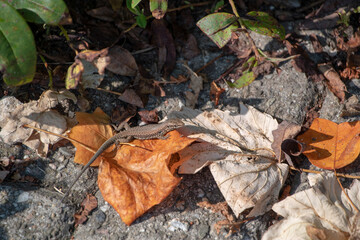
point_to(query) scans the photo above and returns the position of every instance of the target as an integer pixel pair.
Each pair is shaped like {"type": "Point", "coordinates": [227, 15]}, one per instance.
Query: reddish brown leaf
{"type": "Point", "coordinates": [331, 145]}
{"type": "Point", "coordinates": [122, 114]}
{"type": "Point", "coordinates": [316, 44]}
{"type": "Point", "coordinates": [333, 82]}
{"type": "Point", "coordinates": [130, 96]}
{"type": "Point", "coordinates": [215, 92]}
{"type": "Point", "coordinates": [89, 204]}
{"type": "Point", "coordinates": [284, 131]}
{"type": "Point", "coordinates": [138, 178]}
{"type": "Point", "coordinates": [190, 48]}
{"type": "Point", "coordinates": [149, 116]}
{"type": "Point", "coordinates": [354, 42]}
{"type": "Point", "coordinates": [303, 63]}
{"type": "Point", "coordinates": [240, 45]}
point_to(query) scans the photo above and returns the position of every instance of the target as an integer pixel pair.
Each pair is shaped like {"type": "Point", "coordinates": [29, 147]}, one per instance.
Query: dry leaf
{"type": "Point", "coordinates": [89, 66]}
{"type": "Point", "coordinates": [239, 44]}
{"type": "Point", "coordinates": [196, 85]}
{"type": "Point", "coordinates": [89, 204]}
{"type": "Point", "coordinates": [162, 38]}
{"type": "Point", "coordinates": [303, 63]}
{"type": "Point", "coordinates": [34, 113]}
{"type": "Point", "coordinates": [215, 92]}
{"type": "Point", "coordinates": [93, 130]}
{"type": "Point", "coordinates": [334, 83]}
{"type": "Point", "coordinates": [351, 107]}
{"type": "Point", "coordinates": [119, 60]}
{"type": "Point", "coordinates": [331, 145]}
{"type": "Point", "coordinates": [244, 181]}
{"type": "Point", "coordinates": [138, 178]}
{"type": "Point", "coordinates": [134, 178]}
{"type": "Point", "coordinates": [284, 131]}
{"type": "Point", "coordinates": [190, 49]}
{"type": "Point", "coordinates": [130, 96]}
{"type": "Point", "coordinates": [322, 210]}
{"type": "Point", "coordinates": [90, 76]}
{"type": "Point", "coordinates": [149, 116]}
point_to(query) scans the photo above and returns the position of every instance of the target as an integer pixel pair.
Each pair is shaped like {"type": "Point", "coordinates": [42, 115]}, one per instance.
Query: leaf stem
{"type": "Point", "coordinates": [242, 26]}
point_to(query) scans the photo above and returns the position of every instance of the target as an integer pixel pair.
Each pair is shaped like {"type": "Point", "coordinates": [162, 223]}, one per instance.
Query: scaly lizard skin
{"type": "Point", "coordinates": [150, 131]}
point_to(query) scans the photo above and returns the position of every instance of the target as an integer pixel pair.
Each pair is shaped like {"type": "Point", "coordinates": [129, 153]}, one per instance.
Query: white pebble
{"type": "Point", "coordinates": [175, 224]}
{"type": "Point", "coordinates": [23, 197]}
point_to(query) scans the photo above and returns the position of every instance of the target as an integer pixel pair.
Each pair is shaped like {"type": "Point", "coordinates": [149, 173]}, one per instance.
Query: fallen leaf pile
{"type": "Point", "coordinates": [134, 178]}
{"type": "Point", "coordinates": [229, 144]}
{"type": "Point", "coordinates": [321, 212]}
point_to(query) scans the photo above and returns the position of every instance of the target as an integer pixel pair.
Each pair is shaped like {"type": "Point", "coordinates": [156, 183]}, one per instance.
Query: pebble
{"type": "Point", "coordinates": [23, 197]}
{"type": "Point", "coordinates": [52, 166]}
{"type": "Point", "coordinates": [200, 193]}
{"type": "Point", "coordinates": [105, 207]}
{"type": "Point", "coordinates": [100, 218]}
{"type": "Point", "coordinates": [175, 224]}
{"type": "Point", "coordinates": [66, 152]}
{"type": "Point", "coordinates": [180, 205]}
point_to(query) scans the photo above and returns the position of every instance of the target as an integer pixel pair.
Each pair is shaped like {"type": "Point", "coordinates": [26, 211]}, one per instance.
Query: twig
{"type": "Point", "coordinates": [310, 5]}
{"type": "Point", "coordinates": [209, 63]}
{"type": "Point", "coordinates": [253, 46]}
{"type": "Point", "coordinates": [343, 190]}
{"type": "Point", "coordinates": [318, 172]}
{"type": "Point", "coordinates": [229, 70]}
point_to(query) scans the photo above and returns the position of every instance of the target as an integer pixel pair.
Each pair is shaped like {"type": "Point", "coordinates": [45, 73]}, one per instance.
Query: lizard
{"type": "Point", "coordinates": [149, 131]}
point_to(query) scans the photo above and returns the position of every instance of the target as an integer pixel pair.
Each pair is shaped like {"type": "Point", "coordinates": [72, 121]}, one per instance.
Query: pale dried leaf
{"type": "Point", "coordinates": [118, 60]}
{"type": "Point", "coordinates": [92, 76]}
{"type": "Point", "coordinates": [323, 208]}
{"type": "Point", "coordinates": [35, 113]}
{"type": "Point", "coordinates": [49, 99]}
{"type": "Point", "coordinates": [244, 181]}
{"type": "Point", "coordinates": [7, 105]}
{"type": "Point", "coordinates": [196, 85]}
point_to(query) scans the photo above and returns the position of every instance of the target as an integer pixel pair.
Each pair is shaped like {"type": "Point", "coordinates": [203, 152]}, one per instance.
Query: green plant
{"type": "Point", "coordinates": [220, 26]}
{"type": "Point", "coordinates": [345, 16]}
{"type": "Point", "coordinates": [158, 9]}
{"type": "Point", "coordinates": [17, 48]}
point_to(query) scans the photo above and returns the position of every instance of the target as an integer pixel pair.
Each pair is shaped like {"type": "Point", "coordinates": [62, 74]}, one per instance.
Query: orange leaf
{"type": "Point", "coordinates": [93, 130]}
{"type": "Point", "coordinates": [331, 145]}
{"type": "Point", "coordinates": [139, 177]}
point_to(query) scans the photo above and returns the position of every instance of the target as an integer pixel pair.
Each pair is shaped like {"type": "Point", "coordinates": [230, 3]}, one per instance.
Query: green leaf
{"type": "Point", "coordinates": [40, 11]}
{"type": "Point", "coordinates": [218, 5]}
{"type": "Point", "coordinates": [158, 4]}
{"type": "Point", "coordinates": [17, 48]}
{"type": "Point", "coordinates": [245, 79]}
{"type": "Point", "coordinates": [264, 24]}
{"type": "Point", "coordinates": [141, 20]}
{"type": "Point", "coordinates": [248, 76]}
{"type": "Point", "coordinates": [134, 10]}
{"type": "Point", "coordinates": [218, 27]}
{"type": "Point", "coordinates": [134, 3]}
